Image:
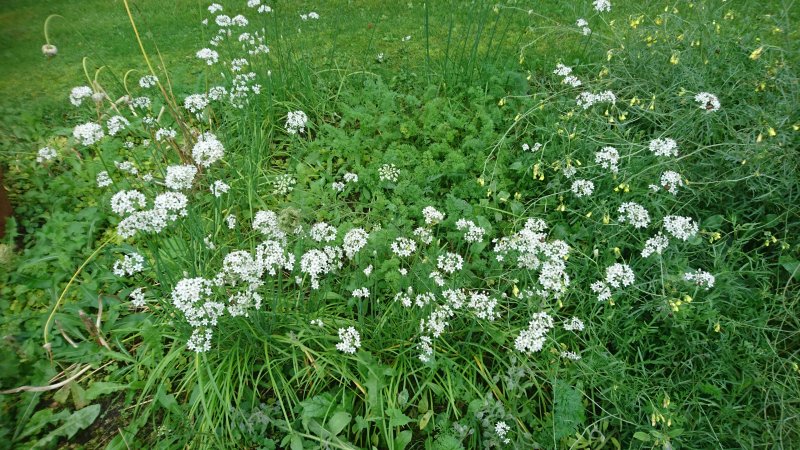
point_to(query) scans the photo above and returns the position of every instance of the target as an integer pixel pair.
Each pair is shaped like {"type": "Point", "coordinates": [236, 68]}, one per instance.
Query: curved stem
{"type": "Point", "coordinates": [46, 22]}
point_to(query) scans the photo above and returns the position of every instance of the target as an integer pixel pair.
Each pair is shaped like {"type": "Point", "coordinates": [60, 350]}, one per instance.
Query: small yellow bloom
{"type": "Point", "coordinates": [756, 53]}
{"type": "Point", "coordinates": [675, 58]}
{"type": "Point", "coordinates": [606, 219]}
{"type": "Point", "coordinates": [717, 328]}
{"type": "Point", "coordinates": [617, 252]}
{"type": "Point", "coordinates": [771, 132]}
{"type": "Point", "coordinates": [589, 214]}
{"type": "Point", "coordinates": [515, 291]}
{"type": "Point", "coordinates": [759, 138]}
{"type": "Point", "coordinates": [481, 181]}
{"type": "Point", "coordinates": [502, 102]}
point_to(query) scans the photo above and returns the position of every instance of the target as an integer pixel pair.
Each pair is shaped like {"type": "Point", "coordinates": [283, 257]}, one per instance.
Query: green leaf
{"type": "Point", "coordinates": [567, 409]}
{"type": "Point", "coordinates": [423, 422]}
{"type": "Point", "coordinates": [642, 436]}
{"type": "Point", "coordinates": [791, 265]}
{"type": "Point", "coordinates": [41, 419]}
{"type": "Point", "coordinates": [403, 438]}
{"type": "Point", "coordinates": [397, 418]}
{"type": "Point", "coordinates": [338, 422]}
{"type": "Point", "coordinates": [99, 388]}
{"type": "Point", "coordinates": [74, 423]}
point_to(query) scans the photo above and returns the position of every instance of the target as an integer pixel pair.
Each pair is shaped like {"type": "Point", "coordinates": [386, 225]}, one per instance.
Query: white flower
{"type": "Point", "coordinates": [569, 171]}
{"type": "Point", "coordinates": [532, 339]}
{"type": "Point", "coordinates": [45, 154]}
{"type": "Point", "coordinates": [124, 202]}
{"type": "Point", "coordinates": [350, 177]}
{"type": "Point", "coordinates": [116, 124]}
{"type": "Point", "coordinates": [562, 70]}
{"type": "Point", "coordinates": [317, 322]}
{"type": "Point", "coordinates": [450, 262]}
{"type": "Point", "coordinates": [432, 215]}
{"type": "Point", "coordinates": [354, 240]}
{"type": "Point", "coordinates": [338, 186]}
{"type": "Point", "coordinates": [584, 26]}
{"type": "Point", "coordinates": [608, 158]}
{"type": "Point", "coordinates": [349, 340]}
{"type": "Point", "coordinates": [361, 293]}
{"type": "Point", "coordinates": [571, 355]}
{"type": "Point", "coordinates": [283, 184]}
{"type": "Point", "coordinates": [473, 232]}
{"type": "Point", "coordinates": [619, 275]}
{"type": "Point", "coordinates": [219, 187]}
{"type": "Point", "coordinates": [148, 81]}
{"type": "Point", "coordinates": [424, 235]}
{"type": "Point", "coordinates": [79, 93]}
{"type": "Point", "coordinates": [296, 122]}
{"type": "Point", "coordinates": [126, 166]}
{"type": "Point", "coordinates": [141, 102]}
{"type": "Point", "coordinates": [527, 148]}
{"type": "Point", "coordinates": [483, 306]}
{"type": "Point", "coordinates": [582, 188]}
{"type": "Point", "coordinates": [602, 5]}
{"type": "Point", "coordinates": [664, 147]}
{"type": "Point", "coordinates": [671, 181]}
{"type": "Point", "coordinates": [574, 324]}
{"type": "Point", "coordinates": [230, 220]}
{"type": "Point", "coordinates": [406, 39]}
{"type": "Point", "coordinates": [572, 81]}
{"type": "Point", "coordinates": [207, 150]}
{"type": "Point", "coordinates": [264, 9]}
{"type": "Point", "coordinates": [707, 101]}
{"type": "Point", "coordinates": [208, 55]}
{"type": "Point", "coordinates": [129, 265]}
{"type": "Point", "coordinates": [165, 133]}
{"type": "Point", "coordinates": [700, 278]}
{"type": "Point", "coordinates": [680, 227]}
{"type": "Point", "coordinates": [634, 214]}
{"type": "Point", "coordinates": [180, 177]}
{"type": "Point", "coordinates": [103, 179]}
{"type": "Point", "coordinates": [322, 232]}
{"type": "Point", "coordinates": [137, 297]}
{"type": "Point", "coordinates": [388, 172]}
{"type": "Point", "coordinates": [587, 99]}
{"type": "Point", "coordinates": [200, 341]}
{"type": "Point", "coordinates": [655, 244]}
{"type": "Point", "coordinates": [196, 103]}
{"type": "Point", "coordinates": [602, 290]}
{"type": "Point", "coordinates": [403, 247]}
{"type": "Point", "coordinates": [380, 57]}
{"type": "Point", "coordinates": [266, 223]}
{"type": "Point", "coordinates": [88, 133]}
{"type": "Point", "coordinates": [368, 270]}
{"type": "Point", "coordinates": [214, 7]}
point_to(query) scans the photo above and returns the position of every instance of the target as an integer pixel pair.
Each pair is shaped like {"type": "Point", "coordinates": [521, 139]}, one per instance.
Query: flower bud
{"type": "Point", "coordinates": [49, 50]}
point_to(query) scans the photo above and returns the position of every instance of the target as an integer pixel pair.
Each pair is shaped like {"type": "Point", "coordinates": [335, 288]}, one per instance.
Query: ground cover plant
{"type": "Point", "coordinates": [409, 225]}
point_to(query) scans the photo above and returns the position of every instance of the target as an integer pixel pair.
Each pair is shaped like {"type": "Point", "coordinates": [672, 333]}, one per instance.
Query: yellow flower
{"type": "Point", "coordinates": [756, 53]}
{"type": "Point", "coordinates": [717, 328]}
{"type": "Point", "coordinates": [675, 58]}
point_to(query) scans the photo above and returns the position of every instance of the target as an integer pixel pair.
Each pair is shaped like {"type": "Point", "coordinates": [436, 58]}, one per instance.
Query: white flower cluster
{"type": "Point", "coordinates": [450, 262]}
{"type": "Point", "coordinates": [582, 188]}
{"type": "Point", "coordinates": [209, 56]}
{"type": "Point", "coordinates": [196, 103]}
{"type": "Point", "coordinates": [608, 158]}
{"type": "Point", "coordinates": [316, 263]}
{"type": "Point", "coordinates": [88, 133]}
{"type": "Point", "coordinates": [283, 184]}
{"type": "Point", "coordinates": [617, 276]}
{"type": "Point", "coordinates": [126, 166]}
{"type": "Point", "coordinates": [103, 179]}
{"type": "Point", "coordinates": [574, 324]}
{"type": "Point", "coordinates": [79, 93]}
{"type": "Point", "coordinates": [483, 306]}
{"type": "Point", "coordinates": [349, 340]}
{"type": "Point", "coordinates": [322, 232]}
{"type": "Point", "coordinates": [312, 15]}
{"type": "Point", "coordinates": [266, 223]}
{"type": "Point", "coordinates": [502, 429]}
{"type": "Point", "coordinates": [567, 77]}
{"type": "Point", "coordinates": [404, 247]}
{"type": "Point", "coordinates": [534, 252]}
{"type": "Point", "coordinates": [116, 124]}
{"type": "Point", "coordinates": [354, 240]}
{"type": "Point", "coordinates": [296, 122]}
{"type": "Point", "coordinates": [432, 215]}
{"type": "Point", "coordinates": [137, 298]}
{"type": "Point", "coordinates": [163, 134]}
{"type": "Point", "coordinates": [424, 235]}
{"type": "Point", "coordinates": [664, 147]}
{"type": "Point", "coordinates": [180, 177]}
{"type": "Point", "coordinates": [707, 101]}
{"type": "Point", "coordinates": [388, 172]}
{"type": "Point", "coordinates": [634, 214]}
{"type": "Point", "coordinates": [472, 232]}
{"type": "Point", "coordinates": [670, 182]}
{"type": "Point", "coordinates": [130, 264]}
{"type": "Point", "coordinates": [207, 150]}
{"type": "Point", "coordinates": [680, 227]}
{"type": "Point", "coordinates": [602, 5]}
{"type": "Point", "coordinates": [124, 202]}
{"type": "Point", "coordinates": [586, 99]}
{"type": "Point", "coordinates": [167, 208]}
{"type": "Point", "coordinates": [361, 293]}
{"type": "Point", "coordinates": [655, 244]}
{"type": "Point", "coordinates": [584, 26]}
{"type": "Point", "coordinates": [532, 339]}
{"type": "Point", "coordinates": [148, 81]}
{"type": "Point", "coordinates": [700, 278]}
{"type": "Point", "coordinates": [527, 148]}
{"type": "Point", "coordinates": [141, 102]}
{"type": "Point", "coordinates": [46, 154]}
{"type": "Point", "coordinates": [219, 187]}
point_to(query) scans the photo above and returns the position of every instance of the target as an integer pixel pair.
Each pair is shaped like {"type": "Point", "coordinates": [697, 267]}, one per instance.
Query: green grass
{"type": "Point", "coordinates": [665, 364]}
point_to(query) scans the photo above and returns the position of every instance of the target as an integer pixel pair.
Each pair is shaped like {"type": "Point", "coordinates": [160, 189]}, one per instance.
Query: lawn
{"type": "Point", "coordinates": [401, 225]}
